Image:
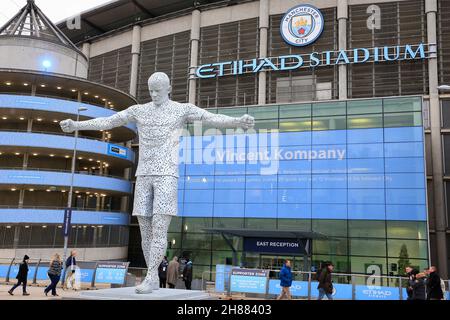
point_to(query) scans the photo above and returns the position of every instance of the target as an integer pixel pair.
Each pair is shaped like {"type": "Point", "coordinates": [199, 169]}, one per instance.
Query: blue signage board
{"type": "Point", "coordinates": [117, 151]}
{"type": "Point", "coordinates": [67, 221]}
{"type": "Point", "coordinates": [377, 293]}
{"type": "Point", "coordinates": [298, 288]}
{"type": "Point", "coordinates": [111, 272]}
{"type": "Point", "coordinates": [248, 280]}
{"type": "Point", "coordinates": [223, 273]}
{"type": "Point", "coordinates": [86, 275]}
{"type": "Point", "coordinates": [273, 245]}
{"type": "Point", "coordinates": [42, 273]}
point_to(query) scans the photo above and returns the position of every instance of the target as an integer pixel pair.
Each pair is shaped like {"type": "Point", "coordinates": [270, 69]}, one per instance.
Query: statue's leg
{"type": "Point", "coordinates": [160, 226]}
{"type": "Point", "coordinates": [145, 225]}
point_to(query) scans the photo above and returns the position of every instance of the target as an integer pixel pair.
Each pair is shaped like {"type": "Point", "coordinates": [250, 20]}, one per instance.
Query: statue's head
{"type": "Point", "coordinates": [159, 87]}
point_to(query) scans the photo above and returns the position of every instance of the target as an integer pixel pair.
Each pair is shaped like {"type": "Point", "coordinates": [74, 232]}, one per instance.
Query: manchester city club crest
{"type": "Point", "coordinates": [302, 25]}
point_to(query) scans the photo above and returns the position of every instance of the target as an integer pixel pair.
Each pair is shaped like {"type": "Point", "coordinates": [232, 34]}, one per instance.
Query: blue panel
{"type": "Point", "coordinates": [294, 195]}
{"type": "Point", "coordinates": [366, 150]}
{"type": "Point", "coordinates": [260, 210]}
{"type": "Point", "coordinates": [55, 105]}
{"type": "Point", "coordinates": [261, 182]}
{"type": "Point", "coordinates": [298, 211]}
{"type": "Point", "coordinates": [180, 195]}
{"type": "Point", "coordinates": [408, 134]}
{"type": "Point", "coordinates": [199, 182]}
{"type": "Point", "coordinates": [47, 178]}
{"type": "Point", "coordinates": [4, 271]}
{"type": "Point", "coordinates": [295, 138]}
{"type": "Point", "coordinates": [199, 196]}
{"type": "Point", "coordinates": [261, 196]}
{"type": "Point", "coordinates": [229, 210]}
{"type": "Point", "coordinates": [198, 210]}
{"type": "Point", "coordinates": [365, 136]}
{"type": "Point", "coordinates": [406, 212]}
{"type": "Point", "coordinates": [403, 149]}
{"type": "Point", "coordinates": [342, 291]}
{"type": "Point", "coordinates": [200, 169]}
{"type": "Point", "coordinates": [405, 196]}
{"type": "Point", "coordinates": [294, 181]}
{"type": "Point", "coordinates": [57, 216]}
{"type": "Point", "coordinates": [230, 169]}
{"type": "Point", "coordinates": [405, 180]}
{"type": "Point", "coordinates": [331, 181]}
{"type": "Point", "coordinates": [298, 288]}
{"type": "Point", "coordinates": [366, 165]}
{"type": "Point", "coordinates": [329, 211]}
{"type": "Point", "coordinates": [405, 165]}
{"type": "Point", "coordinates": [329, 166]}
{"type": "Point", "coordinates": [180, 209]}
{"type": "Point", "coordinates": [366, 196]}
{"type": "Point", "coordinates": [229, 182]}
{"type": "Point", "coordinates": [229, 196]}
{"type": "Point", "coordinates": [295, 167]}
{"type": "Point", "coordinates": [41, 140]}
{"type": "Point", "coordinates": [367, 211]}
{"type": "Point", "coordinates": [182, 170]}
{"type": "Point", "coordinates": [42, 273]}
{"type": "Point", "coordinates": [329, 137]}
{"type": "Point", "coordinates": [329, 196]}
{"type": "Point", "coordinates": [363, 181]}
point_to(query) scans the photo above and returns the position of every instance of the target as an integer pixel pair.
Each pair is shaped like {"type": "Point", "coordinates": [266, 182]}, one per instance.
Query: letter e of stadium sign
{"type": "Point", "coordinates": [302, 25]}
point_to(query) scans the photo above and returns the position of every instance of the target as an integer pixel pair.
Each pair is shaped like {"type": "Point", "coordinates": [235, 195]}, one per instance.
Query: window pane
{"type": "Point", "coordinates": [228, 223]}
{"type": "Point", "coordinates": [402, 104]}
{"type": "Point", "coordinates": [411, 248]}
{"type": "Point", "coordinates": [218, 242]}
{"type": "Point", "coordinates": [364, 106]}
{"type": "Point", "coordinates": [329, 108]}
{"type": "Point", "coordinates": [175, 224]}
{"type": "Point", "coordinates": [260, 223]}
{"type": "Point", "coordinates": [196, 241]}
{"type": "Point", "coordinates": [446, 114]}
{"type": "Point", "coordinates": [367, 229]}
{"type": "Point", "coordinates": [406, 229]}
{"type": "Point", "coordinates": [364, 265]}
{"type": "Point", "coordinates": [407, 119]}
{"type": "Point", "coordinates": [374, 247]}
{"type": "Point", "coordinates": [196, 224]}
{"type": "Point", "coordinates": [331, 228]}
{"type": "Point", "coordinates": [268, 112]}
{"type": "Point", "coordinates": [295, 111]}
{"type": "Point", "coordinates": [330, 123]}
{"type": "Point", "coordinates": [266, 124]}
{"type": "Point", "coordinates": [174, 240]}
{"type": "Point", "coordinates": [232, 112]}
{"type": "Point", "coordinates": [296, 224]}
{"type": "Point", "coordinates": [335, 246]}
{"type": "Point", "coordinates": [24, 236]}
{"type": "Point", "coordinates": [341, 263]}
{"type": "Point", "coordinates": [298, 124]}
{"type": "Point", "coordinates": [367, 121]}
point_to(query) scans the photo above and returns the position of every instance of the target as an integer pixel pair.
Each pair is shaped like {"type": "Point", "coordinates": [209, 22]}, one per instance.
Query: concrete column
{"type": "Point", "coordinates": [86, 49]}
{"type": "Point", "coordinates": [342, 15]}
{"type": "Point", "coordinates": [135, 54]}
{"type": "Point", "coordinates": [30, 125]}
{"type": "Point", "coordinates": [195, 39]}
{"type": "Point", "coordinates": [263, 39]}
{"type": "Point", "coordinates": [436, 145]}
{"type": "Point", "coordinates": [33, 89]}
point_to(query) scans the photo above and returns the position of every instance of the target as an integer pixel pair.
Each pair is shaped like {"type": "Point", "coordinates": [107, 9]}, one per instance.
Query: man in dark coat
{"type": "Point", "coordinates": [187, 274]}
{"type": "Point", "coordinates": [325, 283]}
{"type": "Point", "coordinates": [418, 286]}
{"type": "Point", "coordinates": [411, 274]}
{"type": "Point", "coordinates": [434, 290]}
{"type": "Point", "coordinates": [162, 272]}
{"type": "Point", "coordinates": [21, 277]}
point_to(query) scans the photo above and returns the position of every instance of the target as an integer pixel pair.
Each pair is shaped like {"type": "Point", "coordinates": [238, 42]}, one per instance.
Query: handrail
{"type": "Point", "coordinates": [61, 208]}
{"type": "Point", "coordinates": [64, 171]}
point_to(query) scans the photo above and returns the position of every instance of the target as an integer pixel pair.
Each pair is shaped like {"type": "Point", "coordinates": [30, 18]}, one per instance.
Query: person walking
{"type": "Point", "coordinates": [162, 272]}
{"type": "Point", "coordinates": [173, 272]}
{"type": "Point", "coordinates": [21, 277]}
{"type": "Point", "coordinates": [54, 273]}
{"type": "Point", "coordinates": [418, 286]}
{"type": "Point", "coordinates": [410, 273]}
{"type": "Point", "coordinates": [433, 283]}
{"type": "Point", "coordinates": [325, 282]}
{"type": "Point", "coordinates": [285, 280]}
{"type": "Point", "coordinates": [71, 263]}
{"type": "Point", "coordinates": [187, 274]}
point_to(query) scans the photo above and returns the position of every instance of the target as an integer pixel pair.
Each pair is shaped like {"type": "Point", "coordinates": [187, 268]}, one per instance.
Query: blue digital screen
{"type": "Point", "coordinates": [363, 174]}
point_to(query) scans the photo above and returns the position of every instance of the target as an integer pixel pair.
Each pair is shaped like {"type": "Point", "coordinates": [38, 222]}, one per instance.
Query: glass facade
{"type": "Point", "coordinates": [353, 171]}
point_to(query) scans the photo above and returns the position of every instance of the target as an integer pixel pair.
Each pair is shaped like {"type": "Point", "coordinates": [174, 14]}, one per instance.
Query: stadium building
{"type": "Point", "coordinates": [43, 81]}
{"type": "Point", "coordinates": [348, 92]}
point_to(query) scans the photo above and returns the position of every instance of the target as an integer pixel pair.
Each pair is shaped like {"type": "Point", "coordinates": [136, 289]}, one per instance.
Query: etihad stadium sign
{"type": "Point", "coordinates": [384, 54]}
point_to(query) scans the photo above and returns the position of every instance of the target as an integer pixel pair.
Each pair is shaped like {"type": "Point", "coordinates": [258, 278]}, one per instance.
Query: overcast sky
{"type": "Point", "coordinates": [56, 10]}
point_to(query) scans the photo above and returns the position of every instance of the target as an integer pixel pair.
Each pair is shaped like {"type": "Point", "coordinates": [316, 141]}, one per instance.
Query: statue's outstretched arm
{"type": "Point", "coordinates": [219, 120]}
{"type": "Point", "coordinates": [104, 123]}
